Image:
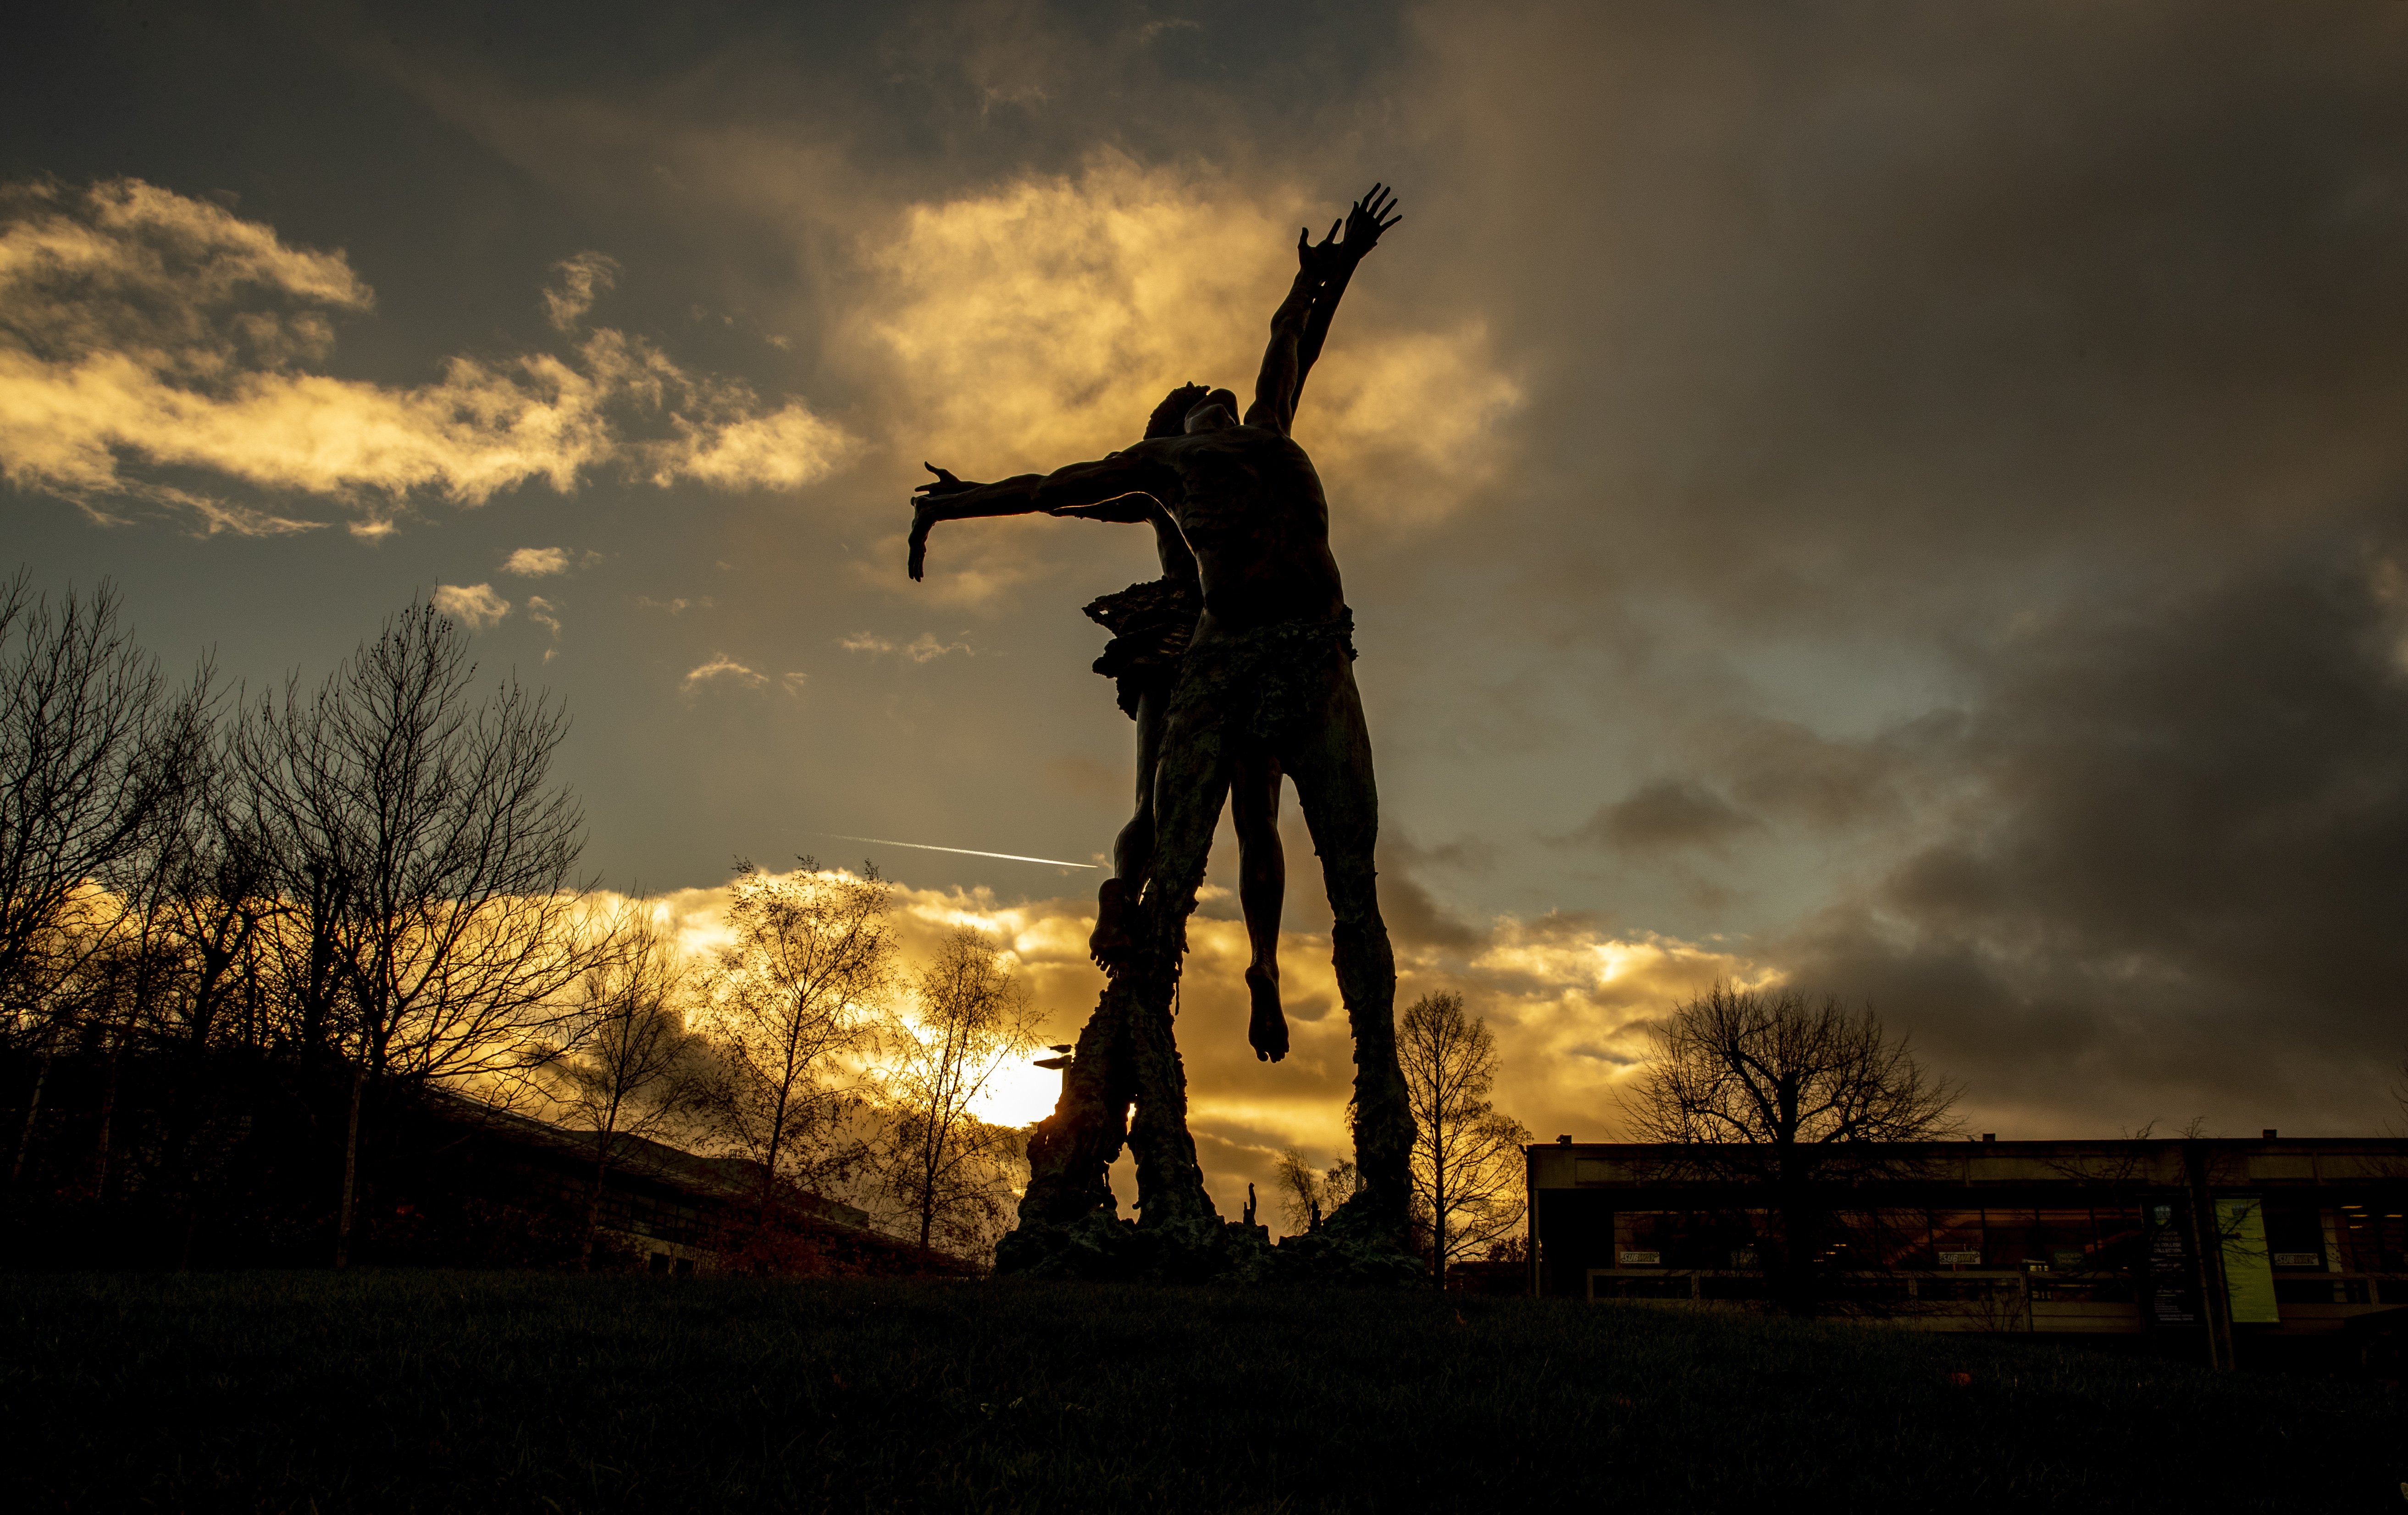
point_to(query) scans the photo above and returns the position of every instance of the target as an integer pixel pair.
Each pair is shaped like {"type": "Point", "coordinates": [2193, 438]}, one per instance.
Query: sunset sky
{"type": "Point", "coordinates": [1906, 501]}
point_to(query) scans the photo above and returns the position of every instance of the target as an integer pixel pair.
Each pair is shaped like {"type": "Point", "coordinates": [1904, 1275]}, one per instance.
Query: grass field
{"type": "Point", "coordinates": [436, 1391]}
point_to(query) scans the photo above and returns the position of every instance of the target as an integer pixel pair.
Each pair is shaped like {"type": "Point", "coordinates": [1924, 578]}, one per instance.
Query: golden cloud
{"type": "Point", "coordinates": [924, 648]}
{"type": "Point", "coordinates": [537, 562]}
{"type": "Point", "coordinates": [1039, 323]}
{"type": "Point", "coordinates": [1569, 1001]}
{"type": "Point", "coordinates": [723, 668]}
{"type": "Point", "coordinates": [144, 330]}
{"type": "Point", "coordinates": [475, 604]}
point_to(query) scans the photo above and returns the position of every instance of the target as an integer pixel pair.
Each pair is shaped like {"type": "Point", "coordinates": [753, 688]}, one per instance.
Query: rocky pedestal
{"type": "Point", "coordinates": [1099, 1246]}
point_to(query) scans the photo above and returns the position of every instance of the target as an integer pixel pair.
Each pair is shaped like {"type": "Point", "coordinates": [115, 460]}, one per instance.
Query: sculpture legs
{"type": "Point", "coordinates": [1330, 760]}
{"type": "Point", "coordinates": [1191, 783]}
{"type": "Point", "coordinates": [1128, 1053]}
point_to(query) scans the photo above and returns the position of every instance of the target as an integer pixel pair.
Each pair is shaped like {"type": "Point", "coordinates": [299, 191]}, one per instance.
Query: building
{"type": "Point", "coordinates": [2207, 1242]}
{"type": "Point", "coordinates": [456, 1182]}
{"type": "Point", "coordinates": [658, 1204]}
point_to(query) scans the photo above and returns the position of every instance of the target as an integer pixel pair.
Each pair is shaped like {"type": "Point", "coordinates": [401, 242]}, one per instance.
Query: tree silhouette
{"type": "Point", "coordinates": [97, 753]}
{"type": "Point", "coordinates": [1792, 1095]}
{"type": "Point", "coordinates": [1307, 1196]}
{"type": "Point", "coordinates": [429, 859]}
{"type": "Point", "coordinates": [943, 1167]}
{"type": "Point", "coordinates": [799, 988]}
{"type": "Point", "coordinates": [1467, 1171]}
{"type": "Point", "coordinates": [631, 1070]}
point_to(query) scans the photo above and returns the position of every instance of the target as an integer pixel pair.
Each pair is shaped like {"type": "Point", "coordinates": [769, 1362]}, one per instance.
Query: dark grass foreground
{"type": "Point", "coordinates": [482, 1391]}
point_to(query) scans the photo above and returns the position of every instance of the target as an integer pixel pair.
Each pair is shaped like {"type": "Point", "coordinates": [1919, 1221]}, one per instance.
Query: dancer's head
{"type": "Point", "coordinates": [1169, 417]}
{"type": "Point", "coordinates": [1213, 412]}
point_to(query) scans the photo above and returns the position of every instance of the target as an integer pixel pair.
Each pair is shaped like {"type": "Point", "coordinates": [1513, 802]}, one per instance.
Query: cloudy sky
{"type": "Point", "coordinates": [1903, 499]}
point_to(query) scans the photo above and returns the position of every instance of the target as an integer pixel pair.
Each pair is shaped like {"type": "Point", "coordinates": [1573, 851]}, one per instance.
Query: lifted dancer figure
{"type": "Point", "coordinates": [1151, 626]}
{"type": "Point", "coordinates": [1267, 678]}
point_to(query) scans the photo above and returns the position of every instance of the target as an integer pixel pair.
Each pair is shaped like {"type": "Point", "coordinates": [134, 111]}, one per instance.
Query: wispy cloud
{"type": "Point", "coordinates": [575, 283]}
{"type": "Point", "coordinates": [675, 607]}
{"type": "Point", "coordinates": [543, 613]}
{"type": "Point", "coordinates": [143, 330]}
{"type": "Point", "coordinates": [537, 562]}
{"type": "Point", "coordinates": [724, 669]}
{"type": "Point", "coordinates": [924, 648]}
{"type": "Point", "coordinates": [476, 605]}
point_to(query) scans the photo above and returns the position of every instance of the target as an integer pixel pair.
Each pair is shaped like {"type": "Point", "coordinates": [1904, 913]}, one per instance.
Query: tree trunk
{"type": "Point", "coordinates": [770, 1165]}
{"type": "Point", "coordinates": [350, 1167]}
{"type": "Point", "coordinates": [33, 1109]}
{"type": "Point", "coordinates": [1438, 1201]}
{"type": "Point", "coordinates": [108, 1119]}
{"type": "Point", "coordinates": [593, 1203]}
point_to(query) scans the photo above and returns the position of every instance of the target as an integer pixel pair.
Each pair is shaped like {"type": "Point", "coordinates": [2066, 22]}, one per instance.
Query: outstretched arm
{"type": "Point", "coordinates": [1082, 484]}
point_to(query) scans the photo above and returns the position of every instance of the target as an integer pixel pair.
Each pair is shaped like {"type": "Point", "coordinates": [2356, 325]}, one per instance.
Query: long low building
{"type": "Point", "coordinates": [2209, 1240]}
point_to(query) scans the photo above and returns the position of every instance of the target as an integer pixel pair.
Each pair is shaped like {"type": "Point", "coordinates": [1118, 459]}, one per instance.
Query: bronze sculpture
{"type": "Point", "coordinates": [1263, 687]}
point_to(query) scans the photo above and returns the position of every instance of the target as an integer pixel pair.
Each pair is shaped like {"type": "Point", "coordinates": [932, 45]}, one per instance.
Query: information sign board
{"type": "Point", "coordinates": [2173, 1285]}
{"type": "Point", "coordinates": [2248, 1276]}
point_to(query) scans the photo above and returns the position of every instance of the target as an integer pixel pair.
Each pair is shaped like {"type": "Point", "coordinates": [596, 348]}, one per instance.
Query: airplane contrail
{"type": "Point", "coordinates": [965, 852]}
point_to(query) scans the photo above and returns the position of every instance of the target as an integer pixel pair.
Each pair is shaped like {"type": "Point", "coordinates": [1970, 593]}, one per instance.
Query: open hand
{"type": "Point", "coordinates": [928, 509]}
{"type": "Point", "coordinates": [1318, 259]}
{"type": "Point", "coordinates": [1371, 215]}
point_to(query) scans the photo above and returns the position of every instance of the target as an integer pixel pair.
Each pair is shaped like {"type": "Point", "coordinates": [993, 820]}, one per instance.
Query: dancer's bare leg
{"type": "Point", "coordinates": [1133, 848]}
{"type": "Point", "coordinates": [1262, 890]}
{"type": "Point", "coordinates": [1330, 760]}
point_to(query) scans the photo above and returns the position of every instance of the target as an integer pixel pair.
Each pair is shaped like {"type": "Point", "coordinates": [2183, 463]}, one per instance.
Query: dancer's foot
{"type": "Point", "coordinates": [1109, 943]}
{"type": "Point", "coordinates": [1268, 1030]}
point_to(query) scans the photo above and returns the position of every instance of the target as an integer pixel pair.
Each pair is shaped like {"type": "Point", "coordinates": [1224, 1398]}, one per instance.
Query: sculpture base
{"type": "Point", "coordinates": [1347, 1250]}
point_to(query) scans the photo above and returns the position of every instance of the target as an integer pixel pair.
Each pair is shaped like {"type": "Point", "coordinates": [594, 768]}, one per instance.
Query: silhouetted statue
{"type": "Point", "coordinates": [1263, 686]}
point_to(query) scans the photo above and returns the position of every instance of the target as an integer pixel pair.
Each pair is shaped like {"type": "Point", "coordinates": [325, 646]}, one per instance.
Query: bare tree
{"type": "Point", "coordinates": [1467, 1170]}
{"type": "Point", "coordinates": [96, 751]}
{"type": "Point", "coordinates": [429, 859]}
{"type": "Point", "coordinates": [1307, 1196]}
{"type": "Point", "coordinates": [943, 1167]}
{"type": "Point", "coordinates": [1793, 1096]}
{"type": "Point", "coordinates": [632, 1071]}
{"type": "Point", "coordinates": [798, 989]}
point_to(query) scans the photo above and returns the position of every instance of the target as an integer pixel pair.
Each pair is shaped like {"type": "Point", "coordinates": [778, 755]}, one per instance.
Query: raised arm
{"type": "Point", "coordinates": [1371, 215]}
{"type": "Point", "coordinates": [1065, 488]}
{"type": "Point", "coordinates": [1275, 387]}
{"type": "Point", "coordinates": [1301, 324]}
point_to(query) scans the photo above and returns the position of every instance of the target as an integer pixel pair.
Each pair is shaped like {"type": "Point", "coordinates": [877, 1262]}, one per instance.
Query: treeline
{"type": "Point", "coordinates": [245, 938]}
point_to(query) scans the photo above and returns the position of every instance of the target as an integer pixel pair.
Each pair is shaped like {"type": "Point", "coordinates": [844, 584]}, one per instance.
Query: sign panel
{"type": "Point", "coordinates": [2248, 1275]}
{"type": "Point", "coordinates": [1640, 1259]}
{"type": "Point", "coordinates": [2173, 1293]}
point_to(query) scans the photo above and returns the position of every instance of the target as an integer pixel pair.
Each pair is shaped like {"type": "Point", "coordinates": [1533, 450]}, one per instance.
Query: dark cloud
{"type": "Point", "coordinates": [2178, 881]}
{"type": "Point", "coordinates": [1862, 323]}
{"type": "Point", "coordinates": [1666, 816]}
